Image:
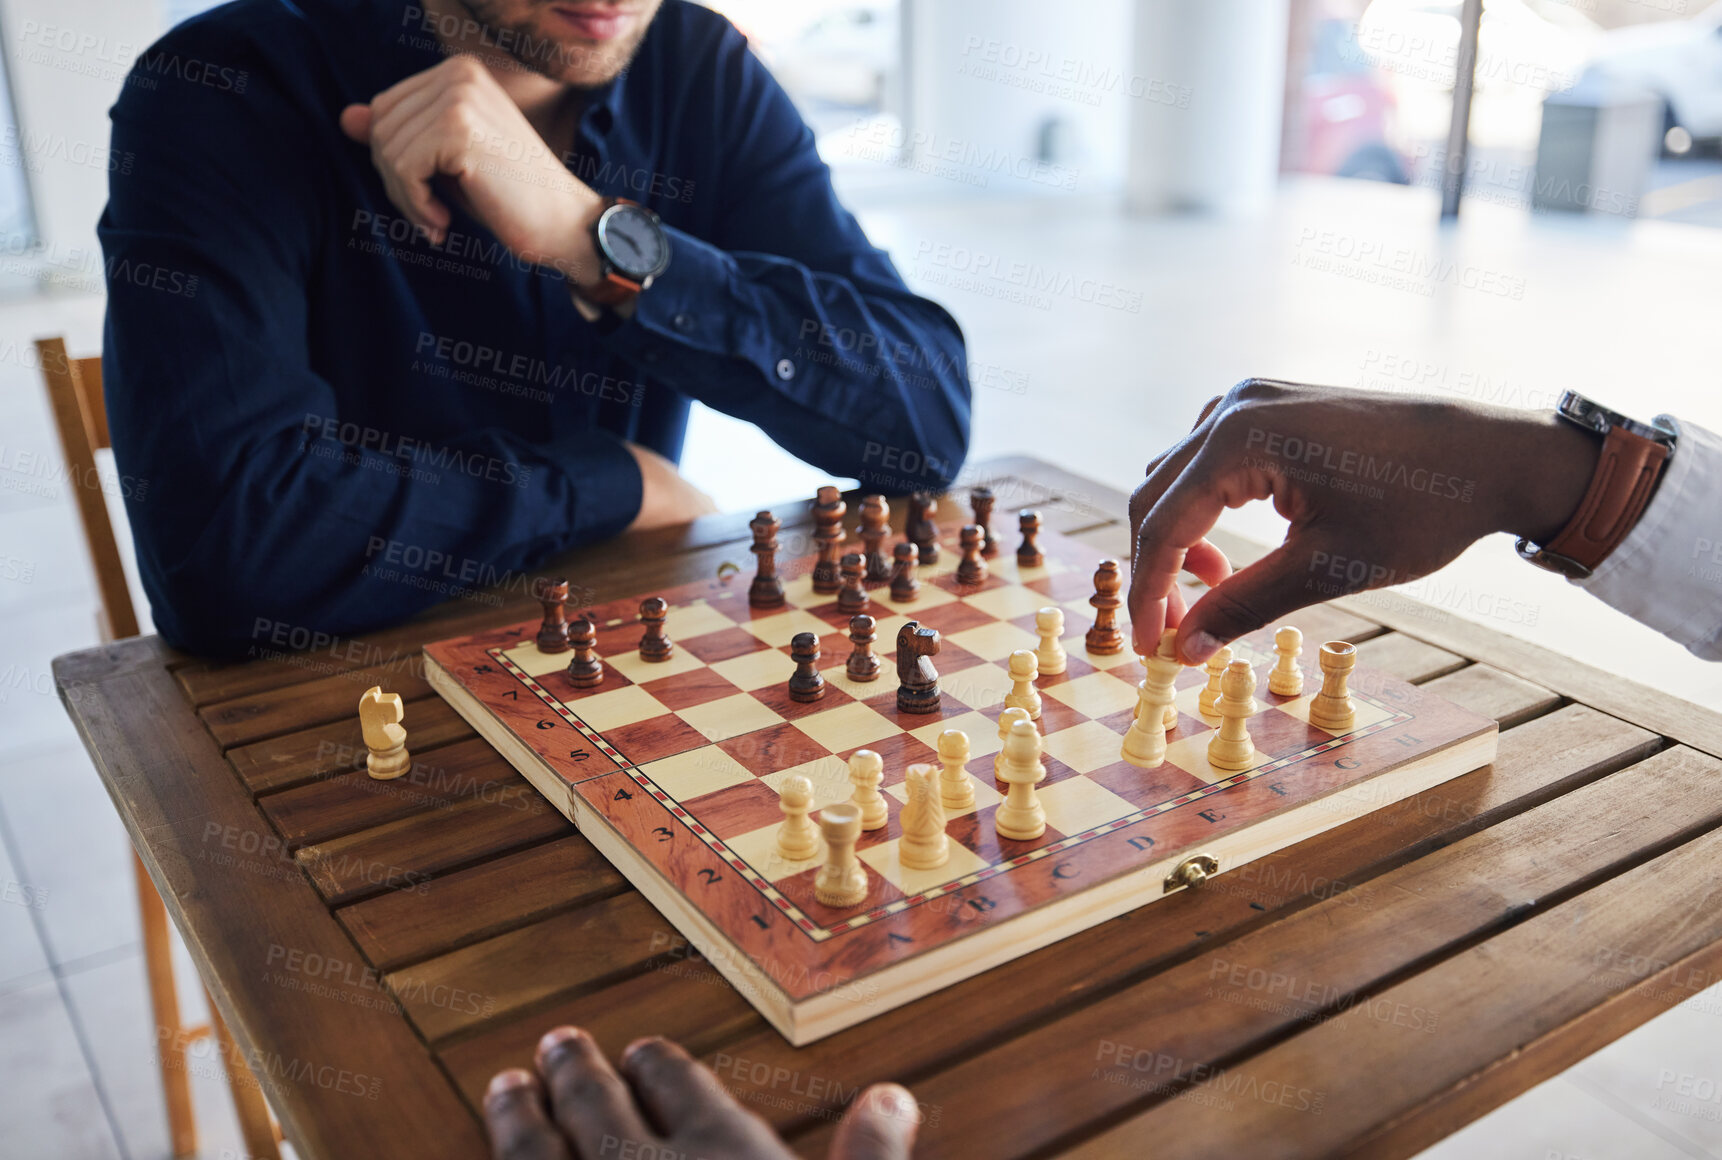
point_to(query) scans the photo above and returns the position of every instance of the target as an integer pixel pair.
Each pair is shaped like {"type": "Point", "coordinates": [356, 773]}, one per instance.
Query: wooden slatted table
{"type": "Point", "coordinates": [380, 949]}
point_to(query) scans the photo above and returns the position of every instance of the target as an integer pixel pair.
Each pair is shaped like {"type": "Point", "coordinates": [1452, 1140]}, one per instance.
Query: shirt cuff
{"type": "Point", "coordinates": [606, 481]}
{"type": "Point", "coordinates": [1667, 573]}
{"type": "Point", "coordinates": [689, 312]}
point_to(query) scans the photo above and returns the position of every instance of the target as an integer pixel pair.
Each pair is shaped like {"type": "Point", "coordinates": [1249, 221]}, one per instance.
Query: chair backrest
{"type": "Point", "coordinates": [75, 390]}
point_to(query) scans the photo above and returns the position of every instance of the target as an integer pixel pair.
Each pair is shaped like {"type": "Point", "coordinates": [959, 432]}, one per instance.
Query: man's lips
{"type": "Point", "coordinates": [597, 23]}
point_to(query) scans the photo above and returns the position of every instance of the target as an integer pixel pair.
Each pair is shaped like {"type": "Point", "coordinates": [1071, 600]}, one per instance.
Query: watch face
{"type": "Point", "coordinates": [633, 241]}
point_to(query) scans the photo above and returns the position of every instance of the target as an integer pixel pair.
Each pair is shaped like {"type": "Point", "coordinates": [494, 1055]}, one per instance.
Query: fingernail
{"type": "Point", "coordinates": [504, 1082]}
{"type": "Point", "coordinates": [1199, 647]}
{"type": "Point", "coordinates": [555, 1038]}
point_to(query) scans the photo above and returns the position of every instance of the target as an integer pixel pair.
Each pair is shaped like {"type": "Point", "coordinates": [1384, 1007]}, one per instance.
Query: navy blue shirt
{"type": "Point", "coordinates": [341, 422]}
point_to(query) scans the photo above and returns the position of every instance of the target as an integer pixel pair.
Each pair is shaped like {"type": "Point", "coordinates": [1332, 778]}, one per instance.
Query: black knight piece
{"type": "Point", "coordinates": [918, 680]}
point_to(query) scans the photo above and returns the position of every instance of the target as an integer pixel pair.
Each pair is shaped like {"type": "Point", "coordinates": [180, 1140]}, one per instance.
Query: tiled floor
{"type": "Point", "coordinates": [1618, 313]}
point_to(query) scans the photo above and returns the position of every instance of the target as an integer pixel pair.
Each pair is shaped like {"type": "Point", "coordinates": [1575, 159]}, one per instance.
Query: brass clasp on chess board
{"type": "Point", "coordinates": [1192, 872]}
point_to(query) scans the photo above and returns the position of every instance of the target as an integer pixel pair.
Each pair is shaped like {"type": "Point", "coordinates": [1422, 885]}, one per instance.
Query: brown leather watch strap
{"type": "Point", "coordinates": [1626, 475]}
{"type": "Point", "coordinates": [612, 291]}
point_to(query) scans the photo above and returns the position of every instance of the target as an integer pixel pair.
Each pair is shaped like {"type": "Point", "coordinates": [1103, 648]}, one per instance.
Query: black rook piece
{"type": "Point", "coordinates": [875, 530]}
{"type": "Point", "coordinates": [655, 646]}
{"type": "Point", "coordinates": [553, 633]}
{"type": "Point", "coordinates": [584, 671]}
{"type": "Point", "coordinates": [852, 597]}
{"type": "Point", "coordinates": [863, 663]}
{"type": "Point", "coordinates": [972, 569]}
{"type": "Point", "coordinates": [806, 684]}
{"type": "Point", "coordinates": [917, 679]}
{"type": "Point", "coordinates": [1028, 556]}
{"type": "Point", "coordinates": [904, 586]}
{"type": "Point", "coordinates": [920, 528]}
{"type": "Point", "coordinates": [1105, 638]}
{"type": "Point", "coordinates": [981, 500]}
{"type": "Point", "coordinates": [766, 591]}
{"type": "Point", "coordinates": [828, 509]}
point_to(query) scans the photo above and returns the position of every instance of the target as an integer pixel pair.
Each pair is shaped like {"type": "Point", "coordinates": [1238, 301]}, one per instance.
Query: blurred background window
{"type": "Point", "coordinates": [17, 211]}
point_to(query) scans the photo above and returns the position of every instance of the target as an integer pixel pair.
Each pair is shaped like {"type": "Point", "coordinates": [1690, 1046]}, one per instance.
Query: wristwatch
{"type": "Point", "coordinates": [1632, 460]}
{"type": "Point", "coordinates": [632, 250]}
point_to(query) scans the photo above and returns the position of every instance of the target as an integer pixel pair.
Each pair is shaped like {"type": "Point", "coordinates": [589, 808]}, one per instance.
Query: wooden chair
{"type": "Point", "coordinates": [75, 390]}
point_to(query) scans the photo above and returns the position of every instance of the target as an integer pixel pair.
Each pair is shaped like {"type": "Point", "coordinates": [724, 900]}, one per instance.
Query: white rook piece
{"type": "Point", "coordinates": [842, 880]}
{"type": "Point", "coordinates": [956, 791]}
{"type": "Point", "coordinates": [866, 771]}
{"type": "Point", "coordinates": [1230, 748]}
{"type": "Point", "coordinates": [380, 716]}
{"type": "Point", "coordinates": [1024, 668]}
{"type": "Point", "coordinates": [924, 845]}
{"type": "Point", "coordinates": [1331, 709]}
{"type": "Point", "coordinates": [1020, 816]}
{"type": "Point", "coordinates": [797, 837]}
{"type": "Point", "coordinates": [1286, 678]}
{"type": "Point", "coordinates": [1049, 623]}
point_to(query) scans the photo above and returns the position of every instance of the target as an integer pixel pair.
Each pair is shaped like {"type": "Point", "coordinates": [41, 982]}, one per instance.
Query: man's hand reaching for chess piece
{"type": "Point", "coordinates": [662, 1103]}
{"type": "Point", "coordinates": [1382, 490]}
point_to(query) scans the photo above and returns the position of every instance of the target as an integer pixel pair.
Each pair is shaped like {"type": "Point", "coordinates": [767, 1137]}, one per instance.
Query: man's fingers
{"type": "Point", "coordinates": [519, 1126]}
{"type": "Point", "coordinates": [356, 123]}
{"type": "Point", "coordinates": [591, 1102]}
{"type": "Point", "coordinates": [680, 1093]}
{"type": "Point", "coordinates": [1183, 516]}
{"type": "Point", "coordinates": [879, 1125]}
{"type": "Point", "coordinates": [1207, 563]}
{"type": "Point", "coordinates": [1257, 596]}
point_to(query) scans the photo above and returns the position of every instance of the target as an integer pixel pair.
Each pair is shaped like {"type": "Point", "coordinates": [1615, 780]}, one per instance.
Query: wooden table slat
{"type": "Point", "coordinates": [1504, 697]}
{"type": "Point", "coordinates": [1269, 983]}
{"type": "Point", "coordinates": [1529, 1000]}
{"type": "Point", "coordinates": [256, 716]}
{"type": "Point", "coordinates": [406, 926]}
{"type": "Point", "coordinates": [1407, 657]}
{"type": "Point", "coordinates": [338, 746]}
{"type": "Point", "coordinates": [412, 852]}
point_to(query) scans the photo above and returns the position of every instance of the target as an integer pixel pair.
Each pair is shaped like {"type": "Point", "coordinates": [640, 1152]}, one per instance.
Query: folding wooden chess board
{"type": "Point", "coordinates": [672, 770]}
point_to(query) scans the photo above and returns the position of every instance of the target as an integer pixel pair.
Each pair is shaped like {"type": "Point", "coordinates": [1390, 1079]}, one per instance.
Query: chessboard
{"type": "Point", "coordinates": [673, 767]}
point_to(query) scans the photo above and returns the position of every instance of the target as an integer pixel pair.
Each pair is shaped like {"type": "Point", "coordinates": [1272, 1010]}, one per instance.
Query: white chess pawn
{"type": "Point", "coordinates": [797, 837]}
{"type": "Point", "coordinates": [842, 880]}
{"type": "Point", "coordinates": [956, 788]}
{"type": "Point", "coordinates": [923, 845]}
{"type": "Point", "coordinates": [1210, 695]}
{"type": "Point", "coordinates": [1332, 708]}
{"type": "Point", "coordinates": [1049, 623]}
{"type": "Point", "coordinates": [866, 771]}
{"type": "Point", "coordinates": [380, 716]}
{"type": "Point", "coordinates": [1286, 679]}
{"type": "Point", "coordinates": [1169, 715]}
{"type": "Point", "coordinates": [1020, 816]}
{"type": "Point", "coordinates": [1230, 748]}
{"type": "Point", "coordinates": [1006, 719]}
{"type": "Point", "coordinates": [1024, 668]}
{"type": "Point", "coordinates": [1145, 742]}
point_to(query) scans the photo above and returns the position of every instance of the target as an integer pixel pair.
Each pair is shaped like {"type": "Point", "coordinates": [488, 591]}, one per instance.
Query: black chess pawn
{"type": "Point", "coordinates": [584, 671]}
{"type": "Point", "coordinates": [972, 569]}
{"type": "Point", "coordinates": [981, 500]}
{"type": "Point", "coordinates": [863, 662]}
{"type": "Point", "coordinates": [553, 633]}
{"type": "Point", "coordinates": [655, 646]}
{"type": "Point", "coordinates": [920, 528]}
{"type": "Point", "coordinates": [875, 530]}
{"type": "Point", "coordinates": [1105, 638]}
{"type": "Point", "coordinates": [806, 684]}
{"type": "Point", "coordinates": [917, 679]}
{"type": "Point", "coordinates": [828, 509]}
{"type": "Point", "coordinates": [852, 597]}
{"type": "Point", "coordinates": [766, 591]}
{"type": "Point", "coordinates": [904, 586]}
{"type": "Point", "coordinates": [1029, 555]}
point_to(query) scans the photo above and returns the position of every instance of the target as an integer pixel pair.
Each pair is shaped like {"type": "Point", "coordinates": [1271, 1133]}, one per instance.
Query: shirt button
{"type": "Point", "coordinates": [653, 355]}
{"type": "Point", "coordinates": [785, 369]}
{"type": "Point", "coordinates": [683, 322]}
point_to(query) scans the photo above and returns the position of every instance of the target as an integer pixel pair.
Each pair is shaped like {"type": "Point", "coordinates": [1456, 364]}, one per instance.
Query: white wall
{"type": "Point", "coordinates": [67, 60]}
